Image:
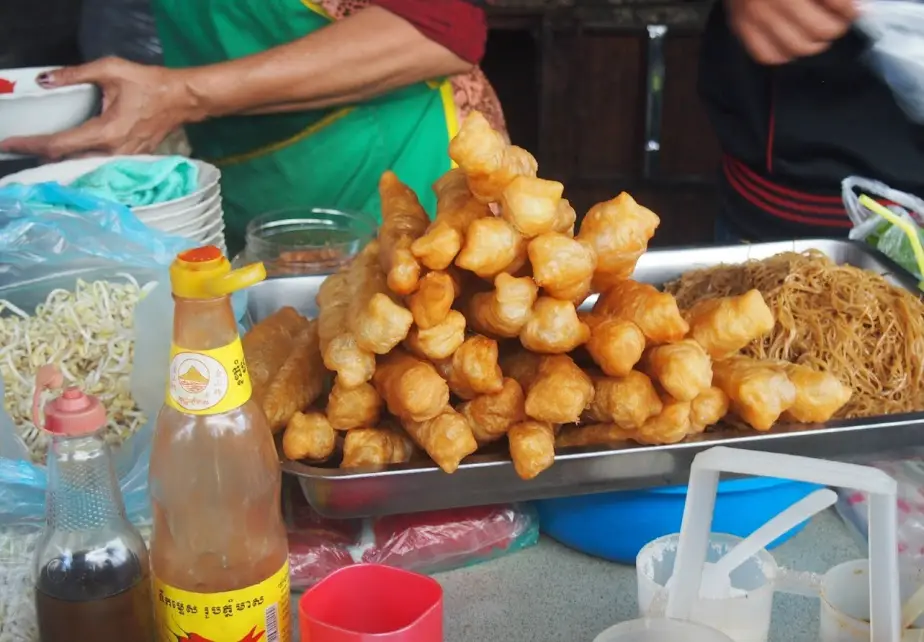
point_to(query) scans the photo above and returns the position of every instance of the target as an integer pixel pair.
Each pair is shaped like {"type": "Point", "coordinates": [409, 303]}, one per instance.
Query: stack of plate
{"type": "Point", "coordinates": [197, 216]}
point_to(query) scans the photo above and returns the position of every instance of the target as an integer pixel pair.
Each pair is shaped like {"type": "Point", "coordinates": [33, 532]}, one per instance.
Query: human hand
{"type": "Point", "coordinates": [777, 31]}
{"type": "Point", "coordinates": [142, 104]}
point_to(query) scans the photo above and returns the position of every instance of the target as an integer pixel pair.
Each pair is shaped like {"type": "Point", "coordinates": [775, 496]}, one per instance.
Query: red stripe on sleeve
{"type": "Point", "coordinates": [457, 25]}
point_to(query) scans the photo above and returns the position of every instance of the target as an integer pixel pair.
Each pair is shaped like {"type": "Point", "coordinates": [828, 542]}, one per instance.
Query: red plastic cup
{"type": "Point", "coordinates": [372, 603]}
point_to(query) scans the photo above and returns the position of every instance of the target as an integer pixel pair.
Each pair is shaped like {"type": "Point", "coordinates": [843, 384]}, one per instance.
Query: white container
{"type": "Point", "coordinates": [743, 617]}
{"type": "Point", "coordinates": [33, 111]}
{"type": "Point", "coordinates": [660, 631]}
{"type": "Point", "coordinates": [692, 549]}
{"type": "Point", "coordinates": [195, 225]}
{"type": "Point", "coordinates": [845, 604]}
{"type": "Point", "coordinates": [157, 214]}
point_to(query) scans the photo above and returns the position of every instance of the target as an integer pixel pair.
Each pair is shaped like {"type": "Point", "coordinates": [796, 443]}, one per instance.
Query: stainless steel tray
{"type": "Point", "coordinates": [490, 478]}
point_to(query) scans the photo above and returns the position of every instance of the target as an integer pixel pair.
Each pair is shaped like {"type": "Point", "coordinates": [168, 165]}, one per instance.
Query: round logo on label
{"type": "Point", "coordinates": [197, 381]}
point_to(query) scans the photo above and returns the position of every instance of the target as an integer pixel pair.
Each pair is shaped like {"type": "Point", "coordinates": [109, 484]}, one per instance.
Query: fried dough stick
{"type": "Point", "coordinates": [760, 391]}
{"type": "Point", "coordinates": [473, 369]}
{"type": "Point", "coordinates": [615, 345]}
{"type": "Point", "coordinates": [412, 388]}
{"type": "Point", "coordinates": [341, 354]}
{"type": "Point", "coordinates": [708, 409]}
{"type": "Point", "coordinates": [503, 311]}
{"type": "Point", "coordinates": [819, 395]}
{"type": "Point", "coordinates": [403, 222]}
{"type": "Point", "coordinates": [618, 230]}
{"type": "Point", "coordinates": [446, 437]}
{"type": "Point", "coordinates": [557, 390]}
{"type": "Point", "coordinates": [565, 216]}
{"type": "Point", "coordinates": [488, 161]}
{"type": "Point", "coordinates": [725, 325]}
{"type": "Point", "coordinates": [602, 434]}
{"type": "Point", "coordinates": [377, 446]}
{"type": "Point", "coordinates": [531, 205]}
{"type": "Point", "coordinates": [308, 436]}
{"type": "Point", "coordinates": [456, 208]}
{"type": "Point", "coordinates": [683, 369]}
{"type": "Point", "coordinates": [627, 402]}
{"type": "Point", "coordinates": [656, 313]}
{"type": "Point", "coordinates": [670, 426]}
{"type": "Point", "coordinates": [349, 408]}
{"type": "Point", "coordinates": [532, 447]}
{"type": "Point", "coordinates": [492, 246]}
{"type": "Point", "coordinates": [299, 381]}
{"type": "Point", "coordinates": [562, 266]}
{"type": "Point", "coordinates": [433, 299]}
{"type": "Point", "coordinates": [374, 318]}
{"type": "Point", "coordinates": [268, 344]}
{"type": "Point", "coordinates": [491, 415]}
{"type": "Point", "coordinates": [553, 327]}
{"type": "Point", "coordinates": [440, 341]}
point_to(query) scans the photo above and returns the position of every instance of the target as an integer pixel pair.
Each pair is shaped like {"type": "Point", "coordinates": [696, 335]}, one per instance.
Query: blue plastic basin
{"type": "Point", "coordinates": [615, 526]}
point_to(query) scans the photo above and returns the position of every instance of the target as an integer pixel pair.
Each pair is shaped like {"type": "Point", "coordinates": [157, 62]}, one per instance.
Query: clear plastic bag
{"type": "Point", "coordinates": [51, 236]}
{"type": "Point", "coordinates": [428, 542]}
{"type": "Point", "coordinates": [896, 29]}
{"type": "Point", "coordinates": [876, 231]}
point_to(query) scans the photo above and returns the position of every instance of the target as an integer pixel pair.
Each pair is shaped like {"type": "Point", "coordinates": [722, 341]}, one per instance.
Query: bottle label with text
{"type": "Point", "coordinates": [258, 613]}
{"type": "Point", "coordinates": [208, 382]}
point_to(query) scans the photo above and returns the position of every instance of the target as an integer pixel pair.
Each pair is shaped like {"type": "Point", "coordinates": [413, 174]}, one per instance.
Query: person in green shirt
{"type": "Point", "coordinates": [298, 103]}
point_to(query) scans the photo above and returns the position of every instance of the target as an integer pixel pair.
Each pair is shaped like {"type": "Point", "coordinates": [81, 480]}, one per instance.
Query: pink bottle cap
{"type": "Point", "coordinates": [73, 413]}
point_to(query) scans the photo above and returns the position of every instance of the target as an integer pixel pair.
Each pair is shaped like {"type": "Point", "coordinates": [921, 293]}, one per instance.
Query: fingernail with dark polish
{"type": "Point", "coordinates": [45, 80]}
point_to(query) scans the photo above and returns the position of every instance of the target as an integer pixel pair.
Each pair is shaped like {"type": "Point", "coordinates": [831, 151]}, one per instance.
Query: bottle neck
{"type": "Point", "coordinates": [83, 490]}
{"type": "Point", "coordinates": [203, 324]}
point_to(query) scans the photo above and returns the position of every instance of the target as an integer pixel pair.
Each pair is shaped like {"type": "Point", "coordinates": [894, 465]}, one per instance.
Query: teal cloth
{"type": "Point", "coordinates": [135, 183]}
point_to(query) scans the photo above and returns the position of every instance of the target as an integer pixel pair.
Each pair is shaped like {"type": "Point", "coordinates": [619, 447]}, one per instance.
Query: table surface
{"type": "Point", "coordinates": [550, 593]}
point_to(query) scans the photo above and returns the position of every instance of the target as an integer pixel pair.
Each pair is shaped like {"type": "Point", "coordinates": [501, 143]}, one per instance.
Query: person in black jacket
{"type": "Point", "coordinates": [796, 110]}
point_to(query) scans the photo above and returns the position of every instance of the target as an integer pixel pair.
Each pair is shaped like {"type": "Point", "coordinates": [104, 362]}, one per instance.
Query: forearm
{"type": "Point", "coordinates": [363, 56]}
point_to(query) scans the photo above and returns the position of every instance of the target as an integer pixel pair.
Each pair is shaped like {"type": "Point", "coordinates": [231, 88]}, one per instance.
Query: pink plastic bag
{"type": "Point", "coordinates": [422, 542]}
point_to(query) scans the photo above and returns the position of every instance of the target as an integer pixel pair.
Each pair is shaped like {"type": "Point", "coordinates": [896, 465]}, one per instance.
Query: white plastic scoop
{"type": "Point", "coordinates": [716, 582]}
{"type": "Point", "coordinates": [913, 608]}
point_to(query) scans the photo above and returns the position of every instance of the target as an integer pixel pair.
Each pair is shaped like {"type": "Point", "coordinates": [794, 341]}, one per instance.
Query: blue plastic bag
{"type": "Point", "coordinates": [49, 237]}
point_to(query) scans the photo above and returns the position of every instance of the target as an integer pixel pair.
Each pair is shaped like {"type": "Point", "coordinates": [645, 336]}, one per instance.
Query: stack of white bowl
{"type": "Point", "coordinates": [197, 216]}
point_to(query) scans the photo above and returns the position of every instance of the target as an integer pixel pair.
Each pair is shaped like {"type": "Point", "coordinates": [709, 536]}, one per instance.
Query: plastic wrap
{"type": "Point", "coordinates": [422, 542]}
{"type": "Point", "coordinates": [853, 507]}
{"type": "Point", "coordinates": [49, 237]}
{"type": "Point", "coordinates": [123, 28]}
{"type": "Point", "coordinates": [896, 29]}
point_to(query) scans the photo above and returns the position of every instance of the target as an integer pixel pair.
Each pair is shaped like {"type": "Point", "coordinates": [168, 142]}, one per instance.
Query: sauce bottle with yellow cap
{"type": "Point", "coordinates": [219, 554]}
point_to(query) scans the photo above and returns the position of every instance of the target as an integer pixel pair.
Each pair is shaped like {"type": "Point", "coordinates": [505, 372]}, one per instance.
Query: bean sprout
{"type": "Point", "coordinates": [88, 334]}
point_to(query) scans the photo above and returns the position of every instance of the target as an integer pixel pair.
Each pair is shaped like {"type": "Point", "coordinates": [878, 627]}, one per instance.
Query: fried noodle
{"type": "Point", "coordinates": [836, 318]}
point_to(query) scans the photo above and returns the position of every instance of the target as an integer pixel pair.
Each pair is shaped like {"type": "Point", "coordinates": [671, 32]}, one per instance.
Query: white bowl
{"type": "Point", "coordinates": [66, 172]}
{"type": "Point", "coordinates": [182, 216]}
{"type": "Point", "coordinates": [192, 227]}
{"type": "Point", "coordinates": [33, 111]}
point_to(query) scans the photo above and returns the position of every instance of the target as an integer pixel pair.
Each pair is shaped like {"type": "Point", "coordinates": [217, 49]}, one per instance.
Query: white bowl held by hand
{"type": "Point", "coordinates": [33, 111]}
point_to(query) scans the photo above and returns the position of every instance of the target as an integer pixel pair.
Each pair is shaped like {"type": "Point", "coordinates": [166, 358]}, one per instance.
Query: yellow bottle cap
{"type": "Point", "coordinates": [205, 273]}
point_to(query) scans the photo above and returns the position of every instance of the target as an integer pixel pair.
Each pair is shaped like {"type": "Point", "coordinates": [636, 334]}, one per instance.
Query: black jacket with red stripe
{"type": "Point", "coordinates": [791, 133]}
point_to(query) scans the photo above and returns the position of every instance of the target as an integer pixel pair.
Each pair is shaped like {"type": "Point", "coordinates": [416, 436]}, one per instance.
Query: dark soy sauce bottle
{"type": "Point", "coordinates": [92, 578]}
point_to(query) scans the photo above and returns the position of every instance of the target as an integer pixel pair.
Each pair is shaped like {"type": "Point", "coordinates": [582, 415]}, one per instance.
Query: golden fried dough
{"type": "Point", "coordinates": [615, 345]}
{"type": "Point", "coordinates": [473, 369]}
{"type": "Point", "coordinates": [504, 311]}
{"type": "Point", "coordinates": [628, 402]}
{"type": "Point", "coordinates": [618, 230]}
{"type": "Point", "coordinates": [491, 415]}
{"type": "Point", "coordinates": [377, 446]}
{"type": "Point", "coordinates": [682, 369]}
{"type": "Point", "coordinates": [433, 299]}
{"type": "Point", "coordinates": [440, 341]}
{"type": "Point", "coordinates": [554, 327]}
{"type": "Point", "coordinates": [403, 222]}
{"type": "Point", "coordinates": [298, 382]}
{"type": "Point", "coordinates": [656, 313]}
{"type": "Point", "coordinates": [760, 391]}
{"type": "Point", "coordinates": [492, 246]}
{"type": "Point", "coordinates": [412, 388]}
{"type": "Point", "coordinates": [532, 447]}
{"type": "Point", "coordinates": [725, 325]}
{"type": "Point", "coordinates": [308, 436]}
{"type": "Point", "coordinates": [349, 408]}
{"type": "Point", "coordinates": [530, 205]}
{"type": "Point", "coordinates": [446, 437]}
{"type": "Point", "coordinates": [562, 266]}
